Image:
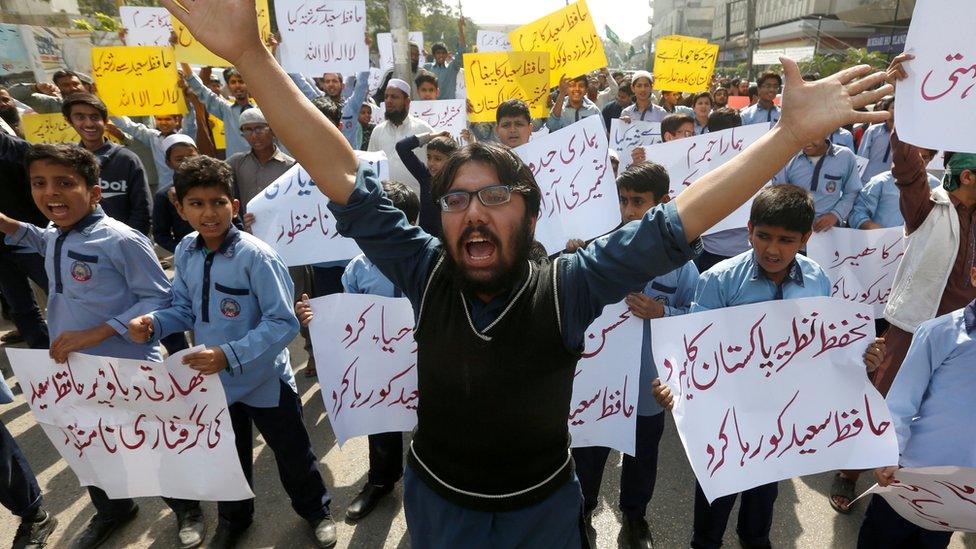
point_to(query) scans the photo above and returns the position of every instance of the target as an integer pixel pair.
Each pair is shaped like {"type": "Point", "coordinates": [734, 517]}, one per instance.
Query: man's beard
{"type": "Point", "coordinates": [396, 117]}
{"type": "Point", "coordinates": [503, 276]}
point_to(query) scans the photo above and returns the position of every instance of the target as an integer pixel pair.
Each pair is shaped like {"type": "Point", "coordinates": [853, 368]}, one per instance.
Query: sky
{"type": "Point", "coordinates": [627, 18]}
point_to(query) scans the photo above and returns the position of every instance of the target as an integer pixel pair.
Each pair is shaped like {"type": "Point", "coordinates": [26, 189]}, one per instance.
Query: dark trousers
{"type": "Point", "coordinates": [883, 528]}
{"type": "Point", "coordinates": [755, 517]}
{"type": "Point", "coordinates": [110, 510]}
{"type": "Point", "coordinates": [283, 428]}
{"type": "Point", "coordinates": [15, 269]}
{"type": "Point", "coordinates": [18, 487]}
{"type": "Point", "coordinates": [174, 343]}
{"type": "Point", "coordinates": [707, 260]}
{"type": "Point", "coordinates": [385, 459]}
{"type": "Point", "coordinates": [639, 472]}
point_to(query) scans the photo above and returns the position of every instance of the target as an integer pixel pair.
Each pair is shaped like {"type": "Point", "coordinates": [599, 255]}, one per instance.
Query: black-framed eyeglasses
{"type": "Point", "coordinates": [257, 130]}
{"type": "Point", "coordinates": [458, 201]}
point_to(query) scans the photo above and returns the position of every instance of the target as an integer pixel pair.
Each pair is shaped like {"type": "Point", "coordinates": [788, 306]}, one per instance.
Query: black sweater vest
{"type": "Point", "coordinates": [492, 430]}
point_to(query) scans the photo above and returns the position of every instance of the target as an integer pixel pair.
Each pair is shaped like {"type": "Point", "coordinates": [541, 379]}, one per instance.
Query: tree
{"type": "Point", "coordinates": [435, 18]}
{"type": "Point", "coordinates": [827, 64]}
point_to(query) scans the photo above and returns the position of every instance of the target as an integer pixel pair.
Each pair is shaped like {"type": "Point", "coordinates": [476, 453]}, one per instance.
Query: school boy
{"type": "Point", "coordinates": [640, 188]}
{"type": "Point", "coordinates": [439, 148]}
{"type": "Point", "coordinates": [363, 277]}
{"type": "Point", "coordinates": [235, 293]}
{"type": "Point", "coordinates": [780, 223]}
{"type": "Point", "coordinates": [102, 273]}
{"type": "Point", "coordinates": [930, 398]}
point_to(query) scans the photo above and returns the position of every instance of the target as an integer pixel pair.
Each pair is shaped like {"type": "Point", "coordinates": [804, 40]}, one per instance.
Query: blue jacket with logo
{"type": "Point", "coordinates": [237, 297]}
{"type": "Point", "coordinates": [125, 191]}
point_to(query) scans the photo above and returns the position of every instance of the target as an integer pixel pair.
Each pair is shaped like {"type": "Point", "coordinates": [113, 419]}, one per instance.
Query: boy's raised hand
{"type": "Point", "coordinates": [237, 34]}
{"type": "Point", "coordinates": [208, 361]}
{"type": "Point", "coordinates": [303, 310]}
{"type": "Point", "coordinates": [812, 110]}
{"type": "Point", "coordinates": [141, 329]}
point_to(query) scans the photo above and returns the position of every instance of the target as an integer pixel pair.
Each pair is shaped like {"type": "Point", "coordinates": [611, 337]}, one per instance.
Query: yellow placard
{"type": "Point", "coordinates": [188, 50]}
{"type": "Point", "coordinates": [494, 77]}
{"type": "Point", "coordinates": [570, 38]}
{"type": "Point", "coordinates": [217, 127]}
{"type": "Point", "coordinates": [48, 128]}
{"type": "Point", "coordinates": [138, 80]}
{"type": "Point", "coordinates": [683, 66]}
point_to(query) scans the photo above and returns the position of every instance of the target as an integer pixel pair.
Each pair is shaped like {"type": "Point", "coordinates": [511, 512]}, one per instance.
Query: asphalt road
{"type": "Point", "coordinates": [803, 518]}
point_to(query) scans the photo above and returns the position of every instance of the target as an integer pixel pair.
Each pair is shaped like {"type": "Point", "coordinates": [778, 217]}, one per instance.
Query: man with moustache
{"type": "Point", "coordinates": [399, 125]}
{"type": "Point", "coordinates": [498, 335]}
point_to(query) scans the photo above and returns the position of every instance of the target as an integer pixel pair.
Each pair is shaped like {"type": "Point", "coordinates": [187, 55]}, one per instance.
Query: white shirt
{"type": "Point", "coordinates": [385, 137]}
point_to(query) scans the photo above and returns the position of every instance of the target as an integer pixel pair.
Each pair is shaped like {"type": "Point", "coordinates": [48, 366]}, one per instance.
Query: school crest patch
{"type": "Point", "coordinates": [80, 271]}
{"type": "Point", "coordinates": [831, 186]}
{"type": "Point", "coordinates": [229, 307]}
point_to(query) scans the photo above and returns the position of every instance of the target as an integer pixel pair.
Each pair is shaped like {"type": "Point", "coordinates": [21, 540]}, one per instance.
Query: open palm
{"type": "Point", "coordinates": [228, 28]}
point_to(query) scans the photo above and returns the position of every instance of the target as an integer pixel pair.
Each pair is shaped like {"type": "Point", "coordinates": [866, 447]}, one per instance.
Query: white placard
{"type": "Point", "coordinates": [384, 44]}
{"type": "Point", "coordinates": [771, 56]}
{"type": "Point", "coordinates": [322, 36]}
{"type": "Point", "coordinates": [135, 428]}
{"type": "Point", "coordinates": [603, 411]}
{"type": "Point", "coordinates": [375, 80]}
{"type": "Point", "coordinates": [366, 359]}
{"type": "Point", "coordinates": [443, 115]}
{"type": "Point", "coordinates": [292, 216]}
{"type": "Point", "coordinates": [579, 194]}
{"type": "Point", "coordinates": [935, 498]}
{"type": "Point", "coordinates": [625, 137]}
{"type": "Point", "coordinates": [688, 159]}
{"type": "Point", "coordinates": [492, 41]}
{"type": "Point", "coordinates": [773, 390]}
{"type": "Point", "coordinates": [146, 26]}
{"type": "Point", "coordinates": [861, 264]}
{"type": "Point", "coordinates": [934, 103]}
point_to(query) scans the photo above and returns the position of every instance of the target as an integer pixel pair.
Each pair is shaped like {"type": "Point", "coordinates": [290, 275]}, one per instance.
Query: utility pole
{"type": "Point", "coordinates": [751, 39]}
{"type": "Point", "coordinates": [401, 43]}
{"type": "Point", "coordinates": [816, 45]}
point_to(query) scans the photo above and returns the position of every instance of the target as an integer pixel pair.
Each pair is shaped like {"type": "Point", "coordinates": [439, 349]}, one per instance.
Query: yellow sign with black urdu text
{"type": "Point", "coordinates": [48, 128]}
{"type": "Point", "coordinates": [570, 38]}
{"type": "Point", "coordinates": [189, 50]}
{"type": "Point", "coordinates": [494, 77]}
{"type": "Point", "coordinates": [138, 80]}
{"type": "Point", "coordinates": [683, 65]}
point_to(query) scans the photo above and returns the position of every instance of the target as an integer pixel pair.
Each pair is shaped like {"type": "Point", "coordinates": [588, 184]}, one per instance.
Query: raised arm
{"type": "Point", "coordinates": [314, 141]}
{"type": "Point", "coordinates": [812, 109]}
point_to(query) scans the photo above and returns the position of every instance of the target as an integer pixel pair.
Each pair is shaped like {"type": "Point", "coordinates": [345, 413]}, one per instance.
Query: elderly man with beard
{"type": "Point", "coordinates": [498, 336]}
{"type": "Point", "coordinates": [399, 125]}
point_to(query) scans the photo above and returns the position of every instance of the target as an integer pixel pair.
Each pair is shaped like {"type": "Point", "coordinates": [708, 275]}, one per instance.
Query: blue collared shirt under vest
{"type": "Point", "coordinates": [675, 291]}
{"type": "Point", "coordinates": [740, 281]}
{"type": "Point", "coordinates": [832, 180]}
{"type": "Point", "coordinates": [931, 400]}
{"type": "Point", "coordinates": [879, 201]}
{"type": "Point", "coordinates": [876, 147]}
{"type": "Point", "coordinates": [238, 297]}
{"type": "Point", "coordinates": [755, 114]}
{"type": "Point", "coordinates": [101, 271]}
{"type": "Point", "coordinates": [362, 277]}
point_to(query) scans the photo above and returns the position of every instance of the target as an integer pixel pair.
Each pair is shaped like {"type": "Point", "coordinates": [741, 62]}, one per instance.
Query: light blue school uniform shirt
{"type": "Point", "coordinates": [349, 124]}
{"type": "Point", "coordinates": [571, 115]}
{"type": "Point", "coordinates": [362, 277]}
{"type": "Point", "coordinates": [238, 297]}
{"type": "Point", "coordinates": [229, 113]}
{"type": "Point", "coordinates": [832, 180]}
{"type": "Point", "coordinates": [153, 138]}
{"type": "Point", "coordinates": [876, 147]}
{"type": "Point", "coordinates": [755, 114]}
{"type": "Point", "coordinates": [447, 74]}
{"type": "Point", "coordinates": [931, 399]}
{"type": "Point", "coordinates": [675, 291]}
{"type": "Point", "coordinates": [843, 138]}
{"type": "Point", "coordinates": [879, 201]}
{"type": "Point", "coordinates": [740, 281]}
{"type": "Point", "coordinates": [100, 271]}
{"type": "Point", "coordinates": [653, 113]}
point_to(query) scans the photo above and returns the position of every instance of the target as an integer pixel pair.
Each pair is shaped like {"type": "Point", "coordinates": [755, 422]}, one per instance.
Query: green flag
{"type": "Point", "coordinates": [631, 53]}
{"type": "Point", "coordinates": [612, 36]}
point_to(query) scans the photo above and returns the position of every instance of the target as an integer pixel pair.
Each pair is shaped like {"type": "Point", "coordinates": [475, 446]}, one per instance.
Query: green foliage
{"type": "Point", "coordinates": [98, 22]}
{"type": "Point", "coordinates": [828, 64]}
{"type": "Point", "coordinates": [436, 18]}
{"type": "Point", "coordinates": [90, 8]}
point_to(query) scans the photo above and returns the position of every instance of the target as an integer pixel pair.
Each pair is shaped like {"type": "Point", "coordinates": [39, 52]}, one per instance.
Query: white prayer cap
{"type": "Point", "coordinates": [253, 116]}
{"type": "Point", "coordinates": [641, 74]}
{"type": "Point", "coordinates": [177, 139]}
{"type": "Point", "coordinates": [400, 85]}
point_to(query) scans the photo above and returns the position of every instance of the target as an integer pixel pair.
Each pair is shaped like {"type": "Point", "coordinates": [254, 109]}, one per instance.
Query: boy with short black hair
{"type": "Point", "coordinates": [513, 123]}
{"type": "Point", "coordinates": [245, 319]}
{"type": "Point", "coordinates": [764, 111]}
{"type": "Point", "coordinates": [427, 89]}
{"type": "Point", "coordinates": [439, 147]}
{"type": "Point", "coordinates": [102, 274]}
{"type": "Point", "coordinates": [677, 126]}
{"type": "Point", "coordinates": [780, 223]}
{"type": "Point", "coordinates": [363, 277]}
{"type": "Point", "coordinates": [640, 188]}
